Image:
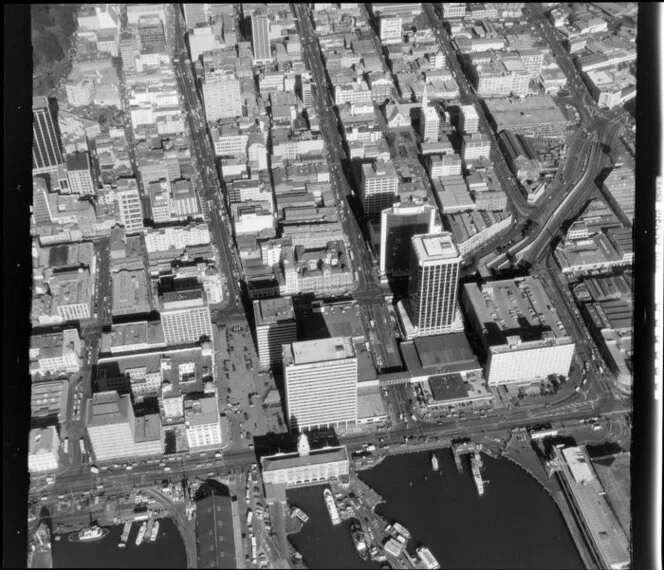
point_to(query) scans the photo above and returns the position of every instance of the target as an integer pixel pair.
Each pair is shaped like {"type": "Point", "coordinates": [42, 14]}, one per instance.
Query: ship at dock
{"type": "Point", "coordinates": [331, 507]}
{"type": "Point", "coordinates": [40, 554]}
{"type": "Point", "coordinates": [125, 535]}
{"type": "Point", "coordinates": [89, 534]}
{"type": "Point", "coordinates": [359, 539]}
{"type": "Point", "coordinates": [428, 559]}
{"type": "Point", "coordinates": [434, 462]}
{"type": "Point", "coordinates": [155, 531]}
{"type": "Point", "coordinates": [476, 466]}
{"type": "Point", "coordinates": [148, 530]}
{"type": "Point", "coordinates": [141, 534]}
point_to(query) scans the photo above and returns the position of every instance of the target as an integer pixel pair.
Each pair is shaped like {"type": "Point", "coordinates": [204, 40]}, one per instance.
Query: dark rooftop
{"type": "Point", "coordinates": [447, 387]}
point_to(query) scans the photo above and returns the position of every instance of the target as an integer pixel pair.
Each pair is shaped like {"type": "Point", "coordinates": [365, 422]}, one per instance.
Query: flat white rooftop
{"type": "Point", "coordinates": [435, 247]}
{"type": "Point", "coordinates": [321, 350]}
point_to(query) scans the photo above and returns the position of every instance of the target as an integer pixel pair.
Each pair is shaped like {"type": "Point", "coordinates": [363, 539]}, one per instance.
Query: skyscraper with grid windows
{"type": "Point", "coordinates": [46, 154]}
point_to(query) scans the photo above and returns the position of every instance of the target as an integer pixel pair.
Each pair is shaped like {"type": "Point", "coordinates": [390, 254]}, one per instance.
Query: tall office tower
{"type": "Point", "coordinates": [390, 28]}
{"type": "Point", "coordinates": [379, 188]}
{"type": "Point", "coordinates": [79, 174]}
{"type": "Point", "coordinates": [275, 326]}
{"type": "Point", "coordinates": [129, 205]}
{"type": "Point", "coordinates": [434, 279]}
{"type": "Point", "coordinates": [321, 383]}
{"type": "Point", "coordinates": [307, 96]}
{"type": "Point", "coordinates": [195, 14]}
{"type": "Point", "coordinates": [46, 154]}
{"type": "Point", "coordinates": [429, 120]}
{"type": "Point", "coordinates": [260, 28]}
{"type": "Point", "coordinates": [152, 34]}
{"type": "Point", "coordinates": [116, 432]}
{"type": "Point", "coordinates": [469, 120]}
{"type": "Point", "coordinates": [222, 96]}
{"type": "Point", "coordinates": [185, 316]}
{"type": "Point", "coordinates": [398, 226]}
{"type": "Point", "coordinates": [41, 209]}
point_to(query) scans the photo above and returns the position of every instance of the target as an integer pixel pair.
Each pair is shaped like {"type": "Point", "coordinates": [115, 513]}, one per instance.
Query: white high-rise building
{"type": "Point", "coordinates": [222, 96]}
{"type": "Point", "coordinates": [321, 383]}
{"type": "Point", "coordinates": [390, 28]}
{"type": "Point", "coordinates": [275, 326]}
{"type": "Point", "coordinates": [434, 279]}
{"type": "Point", "coordinates": [398, 225]}
{"type": "Point", "coordinates": [129, 205]}
{"type": "Point", "coordinates": [201, 418]}
{"type": "Point", "coordinates": [380, 185]}
{"type": "Point", "coordinates": [185, 316]}
{"type": "Point", "coordinates": [429, 120]}
{"type": "Point", "coordinates": [469, 120]}
{"type": "Point", "coordinates": [260, 35]}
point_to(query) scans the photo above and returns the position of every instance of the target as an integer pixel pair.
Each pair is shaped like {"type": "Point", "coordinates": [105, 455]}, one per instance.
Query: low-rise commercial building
{"type": "Point", "coordinates": [43, 450]}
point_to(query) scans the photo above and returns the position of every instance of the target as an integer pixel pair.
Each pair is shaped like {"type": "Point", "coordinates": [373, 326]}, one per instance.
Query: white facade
{"type": "Point", "coordinates": [528, 364]}
{"type": "Point", "coordinates": [164, 239]}
{"type": "Point", "coordinates": [468, 120]}
{"type": "Point", "coordinates": [186, 326]}
{"type": "Point", "coordinates": [43, 450]}
{"type": "Point", "coordinates": [230, 144]}
{"type": "Point", "coordinates": [390, 29]}
{"type": "Point", "coordinates": [222, 97]}
{"type": "Point", "coordinates": [202, 423]}
{"type": "Point", "coordinates": [130, 208]}
{"type": "Point", "coordinates": [321, 382]}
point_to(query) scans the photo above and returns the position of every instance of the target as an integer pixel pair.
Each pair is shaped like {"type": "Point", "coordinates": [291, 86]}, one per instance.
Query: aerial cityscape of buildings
{"type": "Point", "coordinates": [357, 219]}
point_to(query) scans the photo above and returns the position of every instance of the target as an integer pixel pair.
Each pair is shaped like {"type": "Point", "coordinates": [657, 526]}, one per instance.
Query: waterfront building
{"type": "Point", "coordinates": [588, 497]}
{"type": "Point", "coordinates": [275, 326]}
{"type": "Point", "coordinates": [43, 450]}
{"type": "Point", "coordinates": [185, 316]}
{"type": "Point", "coordinates": [129, 205]}
{"type": "Point", "coordinates": [321, 383]}
{"type": "Point", "coordinates": [434, 278]}
{"type": "Point", "coordinates": [202, 421]}
{"type": "Point", "coordinates": [116, 432]}
{"type": "Point", "coordinates": [398, 226]}
{"type": "Point", "coordinates": [379, 188]}
{"type": "Point", "coordinates": [522, 334]}
{"type": "Point", "coordinates": [218, 530]}
{"type": "Point", "coordinates": [305, 466]}
{"type": "Point", "coordinates": [260, 37]}
{"type": "Point", "coordinates": [46, 154]}
{"type": "Point", "coordinates": [79, 174]}
{"type": "Point", "coordinates": [55, 353]}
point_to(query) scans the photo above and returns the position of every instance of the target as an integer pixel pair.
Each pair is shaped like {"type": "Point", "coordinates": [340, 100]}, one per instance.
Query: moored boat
{"type": "Point", "coordinates": [430, 562]}
{"type": "Point", "coordinates": [331, 507]}
{"type": "Point", "coordinates": [359, 539]}
{"type": "Point", "coordinates": [141, 534]}
{"type": "Point", "coordinates": [155, 531]}
{"type": "Point", "coordinates": [434, 462]}
{"type": "Point", "coordinates": [125, 535]}
{"type": "Point", "coordinates": [89, 534]}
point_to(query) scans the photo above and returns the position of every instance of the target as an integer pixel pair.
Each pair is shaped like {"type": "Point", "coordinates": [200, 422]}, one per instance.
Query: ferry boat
{"type": "Point", "coordinates": [125, 534]}
{"type": "Point", "coordinates": [331, 507]}
{"type": "Point", "coordinates": [475, 464]}
{"type": "Point", "coordinates": [148, 530]}
{"type": "Point", "coordinates": [300, 514]}
{"type": "Point", "coordinates": [430, 562]}
{"type": "Point", "coordinates": [89, 534]}
{"type": "Point", "coordinates": [141, 534]}
{"type": "Point", "coordinates": [359, 539]}
{"type": "Point", "coordinates": [40, 554]}
{"type": "Point", "coordinates": [155, 531]}
{"type": "Point", "coordinates": [434, 462]}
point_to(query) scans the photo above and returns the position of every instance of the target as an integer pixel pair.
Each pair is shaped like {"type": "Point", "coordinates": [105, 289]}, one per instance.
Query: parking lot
{"type": "Point", "coordinates": [242, 387]}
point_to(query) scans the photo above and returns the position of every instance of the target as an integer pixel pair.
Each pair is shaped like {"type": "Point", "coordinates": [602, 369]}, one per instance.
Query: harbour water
{"type": "Point", "coordinates": [166, 552]}
{"type": "Point", "coordinates": [516, 524]}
